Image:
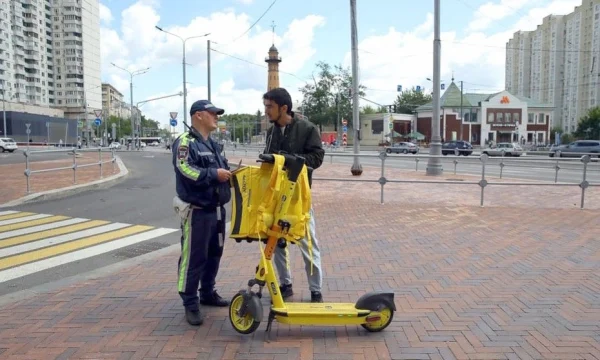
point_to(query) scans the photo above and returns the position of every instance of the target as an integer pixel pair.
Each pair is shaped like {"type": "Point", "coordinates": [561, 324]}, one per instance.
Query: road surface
{"type": "Point", "coordinates": [48, 241]}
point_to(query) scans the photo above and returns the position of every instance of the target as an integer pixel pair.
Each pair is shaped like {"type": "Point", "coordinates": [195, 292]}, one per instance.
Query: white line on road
{"type": "Point", "coordinates": [37, 266]}
{"type": "Point", "coordinates": [44, 227]}
{"type": "Point", "coordinates": [60, 239]}
{"type": "Point", "coordinates": [7, 212]}
{"type": "Point", "coordinates": [23, 219]}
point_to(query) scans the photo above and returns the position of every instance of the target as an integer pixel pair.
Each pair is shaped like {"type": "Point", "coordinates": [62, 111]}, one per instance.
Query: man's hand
{"type": "Point", "coordinates": [223, 175]}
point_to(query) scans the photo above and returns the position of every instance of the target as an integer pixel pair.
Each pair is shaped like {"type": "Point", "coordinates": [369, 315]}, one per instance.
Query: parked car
{"type": "Point", "coordinates": [577, 148]}
{"type": "Point", "coordinates": [504, 149]}
{"type": "Point", "coordinates": [402, 147]}
{"type": "Point", "coordinates": [464, 148]}
{"type": "Point", "coordinates": [8, 144]}
{"type": "Point", "coordinates": [115, 145]}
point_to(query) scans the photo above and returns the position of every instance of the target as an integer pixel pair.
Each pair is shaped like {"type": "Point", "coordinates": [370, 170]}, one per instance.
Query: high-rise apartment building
{"type": "Point", "coordinates": [558, 63]}
{"type": "Point", "coordinates": [50, 54]}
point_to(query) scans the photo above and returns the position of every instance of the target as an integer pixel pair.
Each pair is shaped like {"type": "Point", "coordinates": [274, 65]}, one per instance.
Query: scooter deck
{"type": "Point", "coordinates": [320, 313]}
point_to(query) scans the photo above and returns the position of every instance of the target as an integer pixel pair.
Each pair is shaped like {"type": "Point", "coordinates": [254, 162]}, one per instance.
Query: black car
{"type": "Point", "coordinates": [464, 148]}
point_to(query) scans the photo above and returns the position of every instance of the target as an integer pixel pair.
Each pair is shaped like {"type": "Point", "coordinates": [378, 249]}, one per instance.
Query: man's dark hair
{"type": "Point", "coordinates": [280, 96]}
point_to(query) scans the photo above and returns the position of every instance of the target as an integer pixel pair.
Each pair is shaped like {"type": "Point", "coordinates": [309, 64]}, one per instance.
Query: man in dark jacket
{"type": "Point", "coordinates": [300, 137]}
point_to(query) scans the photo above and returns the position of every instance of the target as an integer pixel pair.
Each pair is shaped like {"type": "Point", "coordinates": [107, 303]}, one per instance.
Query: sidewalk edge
{"type": "Point", "coordinates": [71, 190]}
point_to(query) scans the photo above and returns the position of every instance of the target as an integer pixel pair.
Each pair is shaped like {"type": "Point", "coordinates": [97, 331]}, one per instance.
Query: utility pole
{"type": "Point", "coordinates": [208, 67]}
{"type": "Point", "coordinates": [434, 164]}
{"type": "Point", "coordinates": [461, 110]}
{"type": "Point", "coordinates": [5, 130]}
{"type": "Point", "coordinates": [356, 169]}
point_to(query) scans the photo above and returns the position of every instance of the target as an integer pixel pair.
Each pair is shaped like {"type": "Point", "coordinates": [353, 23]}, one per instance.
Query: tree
{"type": "Point", "coordinates": [368, 110]}
{"type": "Point", "coordinates": [329, 97]}
{"type": "Point", "coordinates": [589, 125]}
{"type": "Point", "coordinates": [409, 100]}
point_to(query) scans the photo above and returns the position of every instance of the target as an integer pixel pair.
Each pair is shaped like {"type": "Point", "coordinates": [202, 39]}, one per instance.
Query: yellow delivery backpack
{"type": "Point", "coordinates": [254, 198]}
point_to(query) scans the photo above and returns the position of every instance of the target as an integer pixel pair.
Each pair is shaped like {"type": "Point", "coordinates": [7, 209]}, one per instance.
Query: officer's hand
{"type": "Point", "coordinates": [223, 175]}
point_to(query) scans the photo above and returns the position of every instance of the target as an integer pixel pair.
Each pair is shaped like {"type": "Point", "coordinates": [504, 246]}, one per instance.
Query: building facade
{"type": "Point", "coordinates": [50, 55]}
{"type": "Point", "coordinates": [558, 63]}
{"type": "Point", "coordinates": [488, 118]}
{"type": "Point", "coordinates": [113, 104]}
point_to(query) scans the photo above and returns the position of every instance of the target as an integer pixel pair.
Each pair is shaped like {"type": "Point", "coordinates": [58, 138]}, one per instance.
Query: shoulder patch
{"type": "Point", "coordinates": [182, 152]}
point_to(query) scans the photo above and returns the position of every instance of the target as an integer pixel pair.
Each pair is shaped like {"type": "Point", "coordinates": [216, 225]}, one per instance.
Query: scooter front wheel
{"type": "Point", "coordinates": [385, 316]}
{"type": "Point", "coordinates": [245, 324]}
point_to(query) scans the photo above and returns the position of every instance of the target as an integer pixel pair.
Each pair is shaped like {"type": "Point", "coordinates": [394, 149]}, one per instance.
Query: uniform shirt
{"type": "Point", "coordinates": [196, 162]}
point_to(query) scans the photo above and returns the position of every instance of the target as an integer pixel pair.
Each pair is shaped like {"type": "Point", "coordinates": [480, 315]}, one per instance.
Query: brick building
{"type": "Point", "coordinates": [499, 117]}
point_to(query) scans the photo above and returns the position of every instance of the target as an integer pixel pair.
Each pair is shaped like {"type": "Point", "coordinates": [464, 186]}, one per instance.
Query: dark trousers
{"type": "Point", "coordinates": [201, 250]}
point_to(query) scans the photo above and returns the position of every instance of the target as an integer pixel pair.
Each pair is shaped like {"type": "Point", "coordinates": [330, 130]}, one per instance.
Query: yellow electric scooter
{"type": "Point", "coordinates": [374, 311]}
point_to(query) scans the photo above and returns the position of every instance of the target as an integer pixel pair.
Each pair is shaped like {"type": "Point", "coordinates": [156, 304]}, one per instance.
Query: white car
{"type": "Point", "coordinates": [115, 145]}
{"type": "Point", "coordinates": [8, 144]}
{"type": "Point", "coordinates": [504, 149]}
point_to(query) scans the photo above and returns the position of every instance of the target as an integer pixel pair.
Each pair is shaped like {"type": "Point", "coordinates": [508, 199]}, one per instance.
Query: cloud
{"type": "Point", "coordinates": [135, 43]}
{"type": "Point", "coordinates": [489, 12]}
{"type": "Point", "coordinates": [105, 14]}
{"type": "Point", "coordinates": [245, 2]}
{"type": "Point", "coordinates": [477, 58]}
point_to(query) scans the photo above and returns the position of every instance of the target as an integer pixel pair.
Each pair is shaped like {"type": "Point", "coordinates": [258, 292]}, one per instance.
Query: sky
{"type": "Point", "coordinates": [395, 42]}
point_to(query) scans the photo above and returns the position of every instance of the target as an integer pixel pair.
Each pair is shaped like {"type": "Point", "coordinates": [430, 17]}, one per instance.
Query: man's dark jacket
{"type": "Point", "coordinates": [300, 137]}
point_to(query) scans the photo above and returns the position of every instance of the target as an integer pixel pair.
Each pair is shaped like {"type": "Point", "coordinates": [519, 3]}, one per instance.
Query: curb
{"type": "Point", "coordinates": [71, 190]}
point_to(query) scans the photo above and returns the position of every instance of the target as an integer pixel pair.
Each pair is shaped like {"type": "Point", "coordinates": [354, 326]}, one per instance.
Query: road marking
{"type": "Point", "coordinates": [6, 215]}
{"type": "Point", "coordinates": [42, 241]}
{"type": "Point", "coordinates": [7, 212]}
{"type": "Point", "coordinates": [52, 233]}
{"type": "Point", "coordinates": [25, 224]}
{"type": "Point", "coordinates": [31, 268]}
{"type": "Point", "coordinates": [70, 246]}
{"type": "Point", "coordinates": [23, 219]}
{"type": "Point", "coordinates": [6, 235]}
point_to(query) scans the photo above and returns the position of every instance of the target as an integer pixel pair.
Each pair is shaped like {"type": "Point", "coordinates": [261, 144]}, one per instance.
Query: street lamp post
{"type": "Point", "coordinates": [131, 75]}
{"type": "Point", "coordinates": [434, 164]}
{"type": "Point", "coordinates": [185, 109]}
{"type": "Point", "coordinates": [356, 168]}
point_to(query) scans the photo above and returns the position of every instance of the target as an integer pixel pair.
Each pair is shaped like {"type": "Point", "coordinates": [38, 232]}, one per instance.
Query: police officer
{"type": "Point", "coordinates": [202, 183]}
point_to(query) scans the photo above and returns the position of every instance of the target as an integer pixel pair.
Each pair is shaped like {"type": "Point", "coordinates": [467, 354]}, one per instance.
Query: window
{"type": "Point", "coordinates": [490, 118]}
{"type": "Point", "coordinates": [376, 126]}
{"type": "Point", "coordinates": [516, 117]}
{"type": "Point", "coordinates": [541, 118]}
{"type": "Point", "coordinates": [507, 117]}
{"type": "Point", "coordinates": [530, 119]}
{"type": "Point", "coordinates": [499, 117]}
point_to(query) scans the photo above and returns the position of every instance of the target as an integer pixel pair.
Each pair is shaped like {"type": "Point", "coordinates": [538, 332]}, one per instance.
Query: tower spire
{"type": "Point", "coordinates": [273, 28]}
{"type": "Point", "coordinates": [452, 75]}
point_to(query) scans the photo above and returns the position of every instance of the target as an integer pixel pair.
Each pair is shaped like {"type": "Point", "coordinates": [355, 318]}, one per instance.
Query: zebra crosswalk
{"type": "Point", "coordinates": [31, 242]}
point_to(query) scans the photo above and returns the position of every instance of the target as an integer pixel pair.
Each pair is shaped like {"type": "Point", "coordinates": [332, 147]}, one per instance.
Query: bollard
{"type": "Point", "coordinates": [483, 182]}
{"type": "Point", "coordinates": [100, 161]}
{"type": "Point", "coordinates": [556, 167]}
{"type": "Point", "coordinates": [417, 164]}
{"type": "Point", "coordinates": [113, 159]}
{"type": "Point", "coordinates": [382, 179]}
{"type": "Point", "coordinates": [455, 163]}
{"type": "Point", "coordinates": [585, 159]}
{"type": "Point", "coordinates": [27, 171]}
{"type": "Point", "coordinates": [74, 167]}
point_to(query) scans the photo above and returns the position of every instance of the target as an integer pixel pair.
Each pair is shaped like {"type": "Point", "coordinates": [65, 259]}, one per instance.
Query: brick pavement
{"type": "Point", "coordinates": [13, 183]}
{"type": "Point", "coordinates": [517, 282]}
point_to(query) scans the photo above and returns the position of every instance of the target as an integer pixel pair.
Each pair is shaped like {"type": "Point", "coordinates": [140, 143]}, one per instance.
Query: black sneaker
{"type": "Point", "coordinates": [316, 297]}
{"type": "Point", "coordinates": [213, 299]}
{"type": "Point", "coordinates": [193, 317]}
{"type": "Point", "coordinates": [286, 291]}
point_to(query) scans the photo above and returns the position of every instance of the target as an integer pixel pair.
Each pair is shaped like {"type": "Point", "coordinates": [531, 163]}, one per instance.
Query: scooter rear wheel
{"type": "Point", "coordinates": [387, 315]}
{"type": "Point", "coordinates": [243, 324]}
